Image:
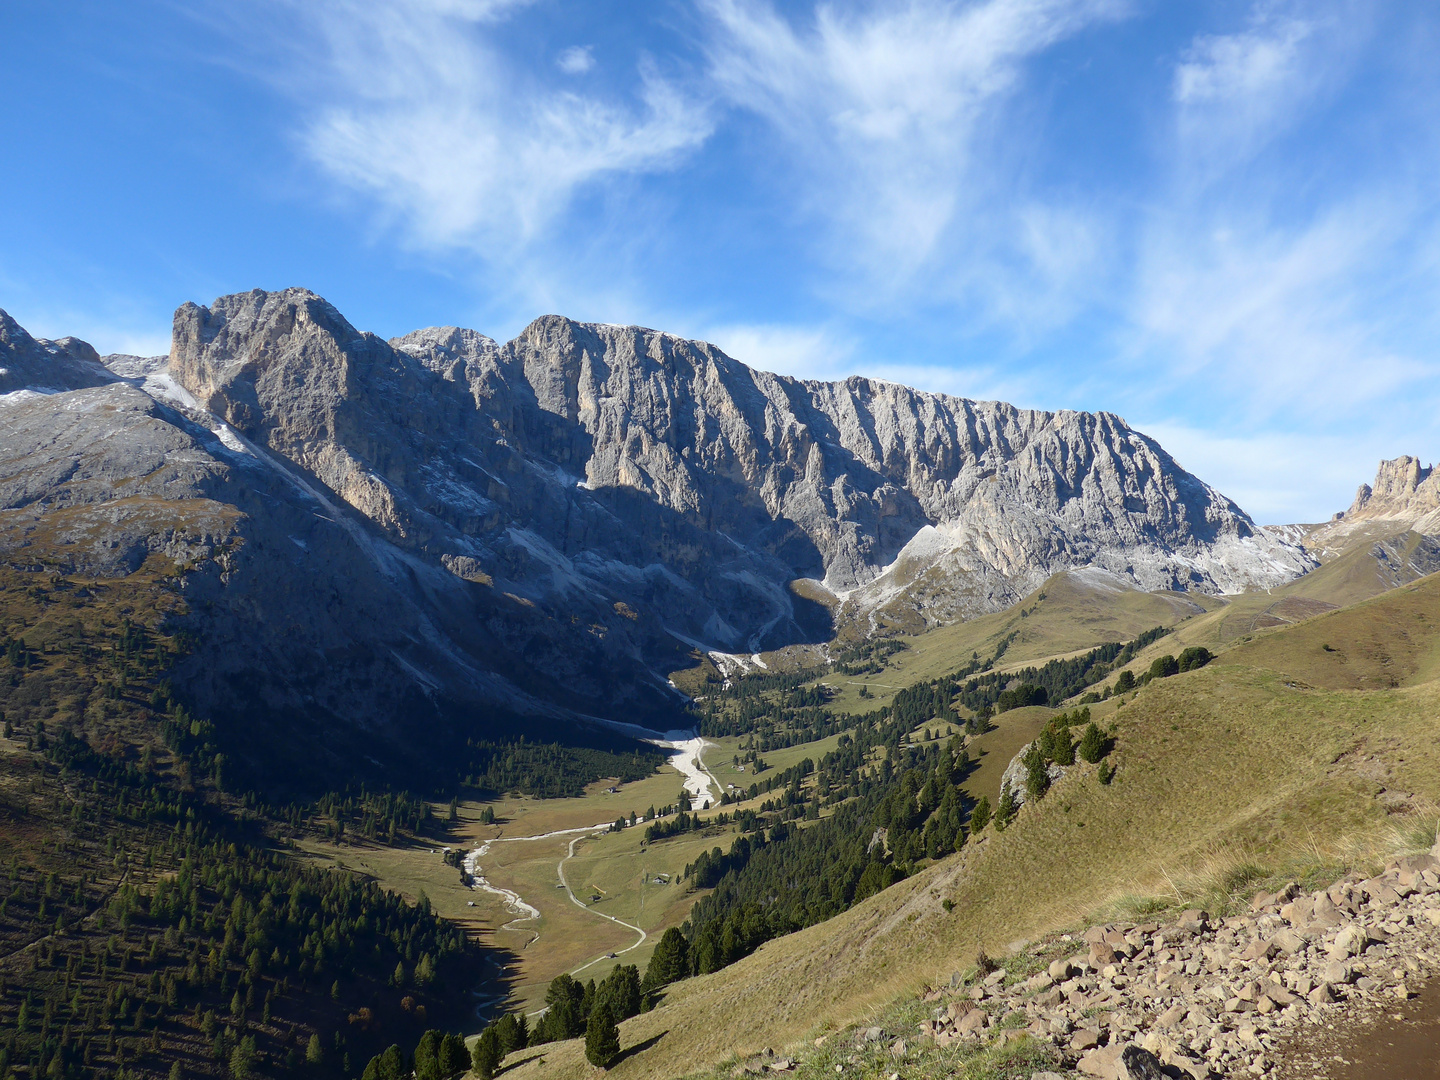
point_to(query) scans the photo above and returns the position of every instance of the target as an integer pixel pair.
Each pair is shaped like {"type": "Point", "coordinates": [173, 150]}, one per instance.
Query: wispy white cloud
{"type": "Point", "coordinates": [576, 60]}
{"type": "Point", "coordinates": [830, 354]}
{"type": "Point", "coordinates": [806, 352]}
{"type": "Point", "coordinates": [1258, 254]}
{"type": "Point", "coordinates": [1274, 284]}
{"type": "Point", "coordinates": [1277, 311]}
{"type": "Point", "coordinates": [1247, 68]}
{"type": "Point", "coordinates": [1243, 283]}
{"type": "Point", "coordinates": [881, 111]}
{"type": "Point", "coordinates": [1279, 478]}
{"type": "Point", "coordinates": [1235, 93]}
{"type": "Point", "coordinates": [423, 111]}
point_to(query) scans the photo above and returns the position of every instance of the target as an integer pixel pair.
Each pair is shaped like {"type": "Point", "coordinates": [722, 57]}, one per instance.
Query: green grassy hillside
{"type": "Point", "coordinates": [1067, 615]}
{"type": "Point", "coordinates": [1281, 758]}
{"type": "Point", "coordinates": [1073, 612]}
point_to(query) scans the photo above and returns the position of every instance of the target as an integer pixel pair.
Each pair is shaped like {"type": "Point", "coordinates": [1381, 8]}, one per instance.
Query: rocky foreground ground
{"type": "Point", "coordinates": [1202, 997]}
{"type": "Point", "coordinates": [1262, 994]}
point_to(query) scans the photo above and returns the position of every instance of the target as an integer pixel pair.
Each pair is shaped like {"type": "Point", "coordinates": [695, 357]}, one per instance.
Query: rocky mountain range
{"type": "Point", "coordinates": [377, 534]}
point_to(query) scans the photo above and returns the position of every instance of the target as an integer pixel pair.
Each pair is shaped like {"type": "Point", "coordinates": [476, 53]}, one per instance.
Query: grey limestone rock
{"type": "Point", "coordinates": [587, 452]}
{"type": "Point", "coordinates": [1396, 520]}
{"type": "Point", "coordinates": [40, 366]}
{"type": "Point", "coordinates": [552, 524]}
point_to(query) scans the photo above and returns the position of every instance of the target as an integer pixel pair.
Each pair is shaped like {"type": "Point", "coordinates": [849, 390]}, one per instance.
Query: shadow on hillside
{"type": "Point", "coordinates": [639, 1048]}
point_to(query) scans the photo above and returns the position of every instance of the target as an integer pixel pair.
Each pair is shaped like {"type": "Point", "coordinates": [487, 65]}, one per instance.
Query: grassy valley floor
{"type": "Point", "coordinates": [635, 882]}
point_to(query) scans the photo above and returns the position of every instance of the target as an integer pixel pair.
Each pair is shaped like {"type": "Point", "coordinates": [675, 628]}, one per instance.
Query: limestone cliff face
{"type": "Point", "coordinates": [1403, 491]}
{"type": "Point", "coordinates": [892, 497]}
{"type": "Point", "coordinates": [549, 525]}
{"type": "Point", "coordinates": [1392, 530]}
{"type": "Point", "coordinates": [1404, 499]}
{"type": "Point", "coordinates": [623, 462]}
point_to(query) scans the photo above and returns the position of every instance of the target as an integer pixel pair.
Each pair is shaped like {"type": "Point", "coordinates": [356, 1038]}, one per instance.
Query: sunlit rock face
{"type": "Point", "coordinates": [553, 523]}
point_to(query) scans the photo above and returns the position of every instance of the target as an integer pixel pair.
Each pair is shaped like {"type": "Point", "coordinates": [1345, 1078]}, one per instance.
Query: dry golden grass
{"type": "Point", "coordinates": [1353, 578]}
{"type": "Point", "coordinates": [1228, 776]}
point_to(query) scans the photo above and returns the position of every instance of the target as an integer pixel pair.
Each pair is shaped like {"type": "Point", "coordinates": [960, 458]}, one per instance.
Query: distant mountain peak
{"type": "Point", "coordinates": [1403, 490]}
{"type": "Point", "coordinates": [41, 366]}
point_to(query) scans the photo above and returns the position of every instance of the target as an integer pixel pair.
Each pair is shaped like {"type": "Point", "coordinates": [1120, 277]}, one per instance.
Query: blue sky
{"type": "Point", "coordinates": [1220, 220]}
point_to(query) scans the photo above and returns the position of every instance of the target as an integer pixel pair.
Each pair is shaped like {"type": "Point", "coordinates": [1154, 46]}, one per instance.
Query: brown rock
{"type": "Point", "coordinates": [1279, 994]}
{"type": "Point", "coordinates": [1288, 942]}
{"type": "Point", "coordinates": [1102, 1062]}
{"type": "Point", "coordinates": [1101, 954]}
{"type": "Point", "coordinates": [1171, 1016]}
{"type": "Point", "coordinates": [1084, 1039]}
{"type": "Point", "coordinates": [1353, 940]}
{"type": "Point", "coordinates": [1259, 949]}
{"type": "Point", "coordinates": [971, 1022]}
{"type": "Point", "coordinates": [1194, 919]}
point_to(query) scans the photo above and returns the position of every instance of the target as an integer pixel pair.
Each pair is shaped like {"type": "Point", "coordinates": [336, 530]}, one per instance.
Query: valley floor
{"type": "Point", "coordinates": [615, 887]}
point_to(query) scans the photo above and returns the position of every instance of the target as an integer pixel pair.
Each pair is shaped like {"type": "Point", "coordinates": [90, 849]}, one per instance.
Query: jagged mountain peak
{"type": "Point", "coordinates": [42, 366]}
{"type": "Point", "coordinates": [553, 523]}
{"type": "Point", "coordinates": [834, 480]}
{"type": "Point", "coordinates": [1403, 490]}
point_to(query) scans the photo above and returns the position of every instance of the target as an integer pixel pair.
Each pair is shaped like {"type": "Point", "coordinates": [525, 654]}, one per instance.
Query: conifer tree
{"type": "Point", "coordinates": [1005, 811]}
{"type": "Point", "coordinates": [670, 961]}
{"type": "Point", "coordinates": [242, 1058]}
{"type": "Point", "coordinates": [1197, 656]}
{"type": "Point", "coordinates": [1092, 744]}
{"type": "Point", "coordinates": [602, 1038]}
{"type": "Point", "coordinates": [453, 1057]}
{"type": "Point", "coordinates": [1037, 775]}
{"type": "Point", "coordinates": [513, 1030]}
{"type": "Point", "coordinates": [485, 1055]}
{"type": "Point", "coordinates": [1064, 747]}
{"type": "Point", "coordinates": [980, 815]}
{"type": "Point", "coordinates": [1162, 667]}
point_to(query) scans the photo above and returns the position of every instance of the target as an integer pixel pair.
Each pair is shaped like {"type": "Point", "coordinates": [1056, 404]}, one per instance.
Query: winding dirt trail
{"type": "Point", "coordinates": [512, 901]}
{"type": "Point", "coordinates": [686, 756]}
{"type": "Point", "coordinates": [526, 912]}
{"type": "Point", "coordinates": [560, 870]}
